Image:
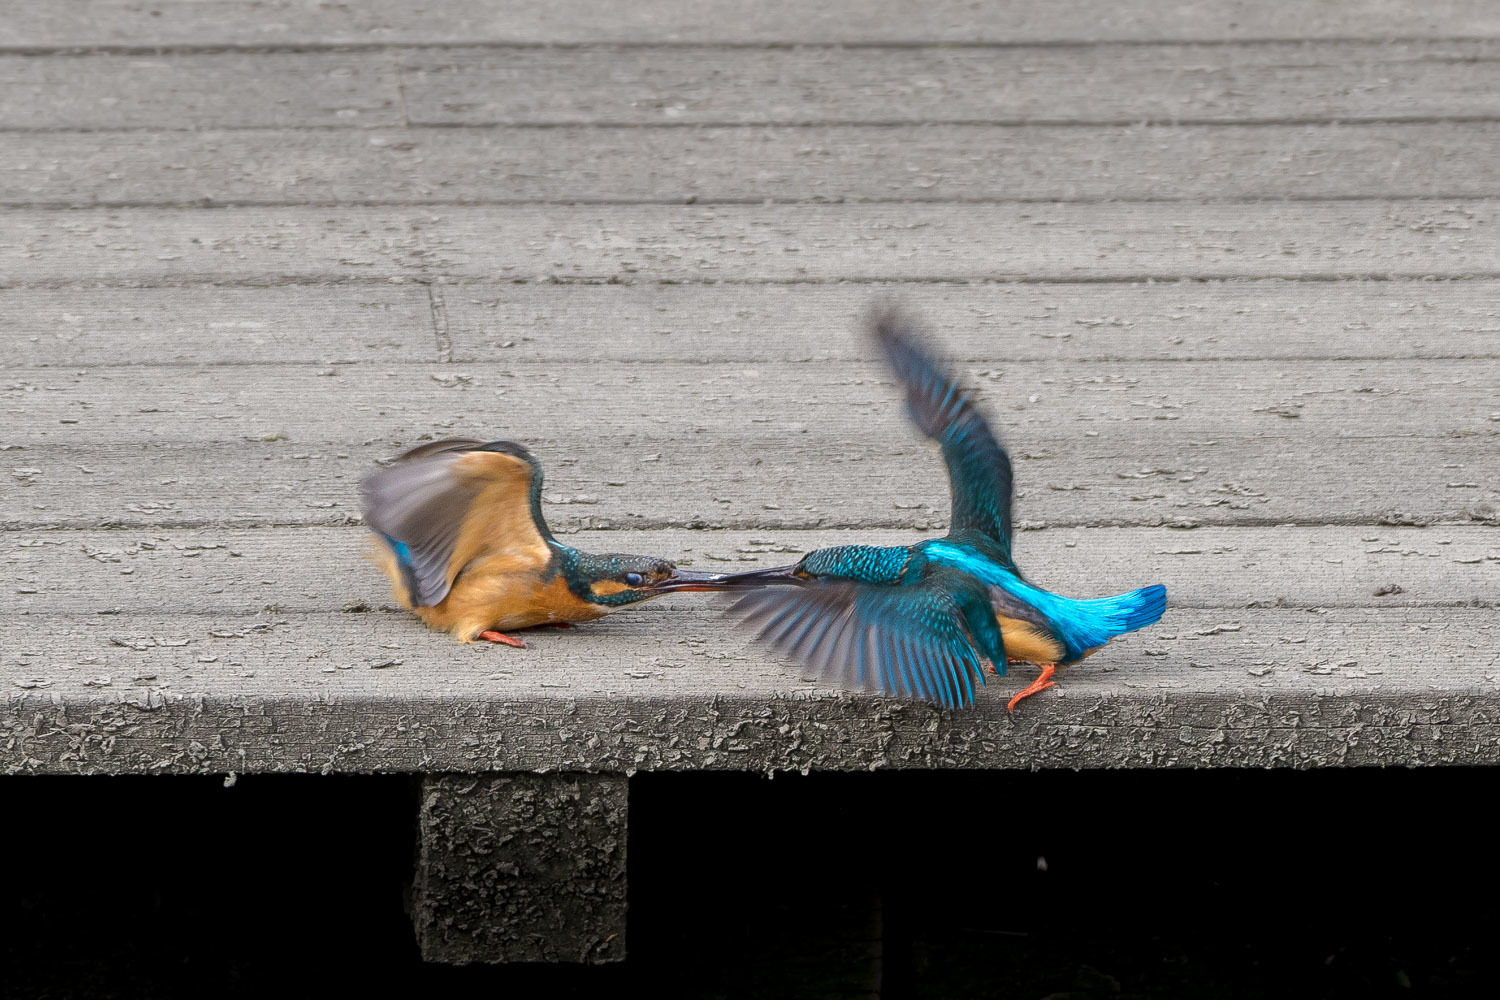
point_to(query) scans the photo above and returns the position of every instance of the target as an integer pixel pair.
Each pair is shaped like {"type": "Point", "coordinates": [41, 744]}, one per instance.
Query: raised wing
{"type": "Point", "coordinates": [979, 472]}
{"type": "Point", "coordinates": [441, 504]}
{"type": "Point", "coordinates": [903, 640]}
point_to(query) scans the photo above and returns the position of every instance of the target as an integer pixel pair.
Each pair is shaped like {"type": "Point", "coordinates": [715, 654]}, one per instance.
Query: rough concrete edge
{"type": "Point", "coordinates": [522, 868]}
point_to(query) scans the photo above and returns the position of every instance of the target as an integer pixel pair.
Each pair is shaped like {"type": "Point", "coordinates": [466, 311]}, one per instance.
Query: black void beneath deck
{"type": "Point", "coordinates": [914, 884]}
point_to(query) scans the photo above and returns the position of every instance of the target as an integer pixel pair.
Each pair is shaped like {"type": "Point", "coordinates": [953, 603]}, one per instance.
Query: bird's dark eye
{"type": "Point", "coordinates": [634, 579]}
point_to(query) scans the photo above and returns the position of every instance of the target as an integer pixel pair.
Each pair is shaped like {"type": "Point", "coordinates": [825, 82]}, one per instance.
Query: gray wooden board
{"type": "Point", "coordinates": [507, 323]}
{"type": "Point", "coordinates": [786, 444]}
{"type": "Point", "coordinates": [86, 327]}
{"type": "Point", "coordinates": [667, 85]}
{"type": "Point", "coordinates": [1045, 241]}
{"type": "Point", "coordinates": [176, 91]}
{"type": "Point", "coordinates": [28, 24]}
{"type": "Point", "coordinates": [373, 692]}
{"type": "Point", "coordinates": [1122, 84]}
{"type": "Point", "coordinates": [228, 571]}
{"type": "Point", "coordinates": [919, 163]}
{"type": "Point", "coordinates": [703, 482]}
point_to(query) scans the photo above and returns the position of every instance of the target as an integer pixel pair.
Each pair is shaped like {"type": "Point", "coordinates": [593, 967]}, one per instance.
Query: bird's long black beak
{"type": "Point", "coordinates": [686, 579]}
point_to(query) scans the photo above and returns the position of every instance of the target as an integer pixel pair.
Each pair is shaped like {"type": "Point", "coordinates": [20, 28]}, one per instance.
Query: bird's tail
{"type": "Point", "coordinates": [1127, 612]}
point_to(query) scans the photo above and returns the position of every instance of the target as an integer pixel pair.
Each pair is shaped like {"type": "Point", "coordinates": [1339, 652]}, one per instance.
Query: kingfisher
{"type": "Point", "coordinates": [919, 620]}
{"type": "Point", "coordinates": [459, 531]}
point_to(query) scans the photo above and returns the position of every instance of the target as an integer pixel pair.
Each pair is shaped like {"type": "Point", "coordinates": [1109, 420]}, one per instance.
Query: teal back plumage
{"type": "Point", "coordinates": [865, 563]}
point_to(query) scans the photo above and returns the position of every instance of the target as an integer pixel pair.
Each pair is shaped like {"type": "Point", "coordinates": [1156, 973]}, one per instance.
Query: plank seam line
{"type": "Point", "coordinates": [438, 307]}
{"type": "Point", "coordinates": [689, 363]}
{"type": "Point", "coordinates": [401, 93]}
{"type": "Point", "coordinates": [692, 202]}
{"type": "Point", "coordinates": [84, 50]}
{"type": "Point", "coordinates": [418, 124]}
{"type": "Point", "coordinates": [1141, 278]}
{"type": "Point", "coordinates": [183, 282]}
{"type": "Point", "coordinates": [695, 201]}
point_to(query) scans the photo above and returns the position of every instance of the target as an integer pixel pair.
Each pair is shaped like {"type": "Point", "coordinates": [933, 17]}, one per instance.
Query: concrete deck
{"type": "Point", "coordinates": [1225, 278]}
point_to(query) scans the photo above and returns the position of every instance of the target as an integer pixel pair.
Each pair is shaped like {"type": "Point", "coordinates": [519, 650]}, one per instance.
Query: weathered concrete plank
{"type": "Point", "coordinates": [348, 404]}
{"type": "Point", "coordinates": [1131, 474]}
{"type": "Point", "coordinates": [1125, 84]}
{"type": "Point", "coordinates": [39, 23]}
{"type": "Point", "coordinates": [85, 327]}
{"type": "Point", "coordinates": [162, 693]}
{"type": "Point", "coordinates": [521, 868]}
{"type": "Point", "coordinates": [1067, 242]}
{"type": "Point", "coordinates": [920, 163]}
{"type": "Point", "coordinates": [507, 323]}
{"type": "Point", "coordinates": [1134, 474]}
{"type": "Point", "coordinates": [185, 91]}
{"type": "Point", "coordinates": [510, 323]}
{"type": "Point", "coordinates": [1096, 442]}
{"type": "Point", "coordinates": [304, 570]}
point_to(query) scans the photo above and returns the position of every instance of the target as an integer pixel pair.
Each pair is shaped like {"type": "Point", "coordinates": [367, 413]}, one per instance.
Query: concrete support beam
{"type": "Point", "coordinates": [522, 868]}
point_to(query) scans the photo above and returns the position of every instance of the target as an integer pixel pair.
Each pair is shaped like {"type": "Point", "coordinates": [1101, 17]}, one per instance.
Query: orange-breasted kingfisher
{"type": "Point", "coordinates": [918, 621]}
{"type": "Point", "coordinates": [462, 538]}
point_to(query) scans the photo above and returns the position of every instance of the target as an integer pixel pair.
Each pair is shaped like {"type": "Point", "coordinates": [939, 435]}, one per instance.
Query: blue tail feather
{"type": "Point", "coordinates": [1127, 612]}
{"type": "Point", "coordinates": [1084, 625]}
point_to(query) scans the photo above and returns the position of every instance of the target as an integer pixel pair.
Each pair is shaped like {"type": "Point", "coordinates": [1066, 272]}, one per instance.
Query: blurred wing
{"type": "Point", "coordinates": [441, 504]}
{"type": "Point", "coordinates": [907, 641]}
{"type": "Point", "coordinates": [979, 473]}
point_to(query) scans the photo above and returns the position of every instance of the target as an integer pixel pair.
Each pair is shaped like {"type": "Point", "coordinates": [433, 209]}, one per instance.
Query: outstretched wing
{"type": "Point", "coordinates": [979, 473]}
{"type": "Point", "coordinates": [902, 640]}
{"type": "Point", "coordinates": [441, 504]}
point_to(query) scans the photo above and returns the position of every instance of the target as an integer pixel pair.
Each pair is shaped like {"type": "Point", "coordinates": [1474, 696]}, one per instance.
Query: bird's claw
{"type": "Point", "coordinates": [1042, 683]}
{"type": "Point", "coordinates": [508, 640]}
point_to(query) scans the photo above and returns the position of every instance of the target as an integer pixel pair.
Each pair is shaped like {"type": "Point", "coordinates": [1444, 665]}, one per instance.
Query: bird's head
{"type": "Point", "coordinates": [613, 579]}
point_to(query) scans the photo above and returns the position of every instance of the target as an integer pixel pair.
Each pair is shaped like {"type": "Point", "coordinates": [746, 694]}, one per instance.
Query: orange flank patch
{"type": "Point", "coordinates": [480, 601]}
{"type": "Point", "coordinates": [1024, 641]}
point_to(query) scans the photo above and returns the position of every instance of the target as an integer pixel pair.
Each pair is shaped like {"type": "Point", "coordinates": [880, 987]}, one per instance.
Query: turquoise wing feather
{"type": "Point", "coordinates": [913, 640]}
{"type": "Point", "coordinates": [979, 470]}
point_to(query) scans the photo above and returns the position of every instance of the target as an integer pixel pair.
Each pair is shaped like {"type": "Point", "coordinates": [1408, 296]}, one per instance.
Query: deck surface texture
{"type": "Point", "coordinates": [1225, 278]}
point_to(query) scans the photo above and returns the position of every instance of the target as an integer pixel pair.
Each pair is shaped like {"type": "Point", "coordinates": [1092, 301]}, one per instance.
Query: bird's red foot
{"type": "Point", "coordinates": [500, 637]}
{"type": "Point", "coordinates": [1042, 683]}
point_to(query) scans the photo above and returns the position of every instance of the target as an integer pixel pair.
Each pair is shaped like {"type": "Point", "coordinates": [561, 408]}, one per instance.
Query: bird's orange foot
{"type": "Point", "coordinates": [1042, 683]}
{"type": "Point", "coordinates": [500, 637]}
